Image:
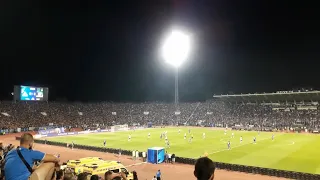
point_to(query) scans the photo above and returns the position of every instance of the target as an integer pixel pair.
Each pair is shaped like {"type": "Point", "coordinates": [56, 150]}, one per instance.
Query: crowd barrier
{"type": "Point", "coordinates": [191, 161]}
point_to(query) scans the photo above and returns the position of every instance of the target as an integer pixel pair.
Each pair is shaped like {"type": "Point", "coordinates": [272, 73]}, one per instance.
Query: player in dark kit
{"type": "Point", "coordinates": [272, 137]}
{"type": "Point", "coordinates": [229, 145]}
{"type": "Point", "coordinates": [104, 143]}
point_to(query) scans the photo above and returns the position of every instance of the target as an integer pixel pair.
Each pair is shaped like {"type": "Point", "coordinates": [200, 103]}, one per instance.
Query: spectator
{"type": "Point", "coordinates": [158, 175]}
{"type": "Point", "coordinates": [135, 175]}
{"type": "Point", "coordinates": [15, 167]}
{"type": "Point", "coordinates": [173, 158]}
{"type": "Point", "coordinates": [109, 175]}
{"type": "Point", "coordinates": [137, 155]}
{"type": "Point", "coordinates": [69, 176]}
{"type": "Point", "coordinates": [83, 176]}
{"type": "Point", "coordinates": [94, 177]}
{"type": "Point", "coordinates": [204, 169]}
{"type": "Point", "coordinates": [120, 151]}
{"type": "Point", "coordinates": [3, 155]}
{"type": "Point", "coordinates": [133, 155]}
{"type": "Point", "coordinates": [166, 157]}
{"type": "Point", "coordinates": [154, 178]}
{"type": "Point", "coordinates": [119, 155]}
{"type": "Point", "coordinates": [60, 175]}
{"type": "Point", "coordinates": [144, 156]}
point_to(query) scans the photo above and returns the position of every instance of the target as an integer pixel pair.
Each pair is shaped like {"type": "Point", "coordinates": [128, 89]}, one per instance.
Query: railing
{"type": "Point", "coordinates": [219, 165]}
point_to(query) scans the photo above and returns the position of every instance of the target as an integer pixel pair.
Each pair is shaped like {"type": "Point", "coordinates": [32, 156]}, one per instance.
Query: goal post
{"type": "Point", "coordinates": [123, 127]}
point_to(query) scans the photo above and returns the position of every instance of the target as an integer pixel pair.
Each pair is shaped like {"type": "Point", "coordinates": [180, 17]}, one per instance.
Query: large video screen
{"type": "Point", "coordinates": [30, 93]}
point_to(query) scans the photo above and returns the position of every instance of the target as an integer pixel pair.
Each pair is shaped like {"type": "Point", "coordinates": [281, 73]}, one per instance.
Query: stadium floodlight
{"type": "Point", "coordinates": [176, 48]}
{"type": "Point", "coordinates": [175, 51]}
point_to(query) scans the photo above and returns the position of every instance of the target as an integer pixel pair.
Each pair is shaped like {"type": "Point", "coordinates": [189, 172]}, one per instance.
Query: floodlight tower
{"type": "Point", "coordinates": [175, 51]}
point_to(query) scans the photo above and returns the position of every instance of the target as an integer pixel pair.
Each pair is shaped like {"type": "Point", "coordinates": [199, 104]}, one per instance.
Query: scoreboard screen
{"type": "Point", "coordinates": [30, 93]}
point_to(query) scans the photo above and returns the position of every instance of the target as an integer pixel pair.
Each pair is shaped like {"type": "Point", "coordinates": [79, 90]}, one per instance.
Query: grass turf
{"type": "Point", "coordinates": [294, 152]}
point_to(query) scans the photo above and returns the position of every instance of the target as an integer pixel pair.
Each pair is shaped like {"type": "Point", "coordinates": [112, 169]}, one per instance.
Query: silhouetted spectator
{"type": "Point", "coordinates": [204, 169]}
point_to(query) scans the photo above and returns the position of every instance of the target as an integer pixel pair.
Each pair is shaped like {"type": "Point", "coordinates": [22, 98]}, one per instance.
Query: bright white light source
{"type": "Point", "coordinates": [176, 48]}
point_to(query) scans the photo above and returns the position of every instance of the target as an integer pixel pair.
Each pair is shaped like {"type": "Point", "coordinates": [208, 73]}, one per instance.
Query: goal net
{"type": "Point", "coordinates": [123, 127]}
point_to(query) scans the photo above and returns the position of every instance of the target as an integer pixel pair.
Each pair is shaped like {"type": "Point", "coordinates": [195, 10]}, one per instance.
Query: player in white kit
{"type": "Point", "coordinates": [203, 135]}
{"type": "Point", "coordinates": [240, 139]}
{"type": "Point", "coordinates": [129, 137]}
{"type": "Point", "coordinates": [179, 131]}
{"type": "Point", "coordinates": [225, 132]}
{"type": "Point", "coordinates": [185, 135]}
{"type": "Point", "coordinates": [232, 135]}
{"type": "Point", "coordinates": [149, 136]}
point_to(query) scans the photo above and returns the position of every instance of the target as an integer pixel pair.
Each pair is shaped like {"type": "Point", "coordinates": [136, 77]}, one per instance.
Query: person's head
{"type": "Point", "coordinates": [83, 176]}
{"type": "Point", "coordinates": [26, 140]}
{"type": "Point", "coordinates": [204, 169]}
{"type": "Point", "coordinates": [94, 177]}
{"type": "Point", "coordinates": [60, 175]}
{"type": "Point", "coordinates": [135, 175]}
{"type": "Point", "coordinates": [69, 176]}
{"type": "Point", "coordinates": [109, 175]}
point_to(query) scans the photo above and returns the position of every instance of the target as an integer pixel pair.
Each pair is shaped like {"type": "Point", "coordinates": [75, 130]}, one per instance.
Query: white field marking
{"type": "Point", "coordinates": [240, 145]}
{"type": "Point", "coordinates": [136, 164]}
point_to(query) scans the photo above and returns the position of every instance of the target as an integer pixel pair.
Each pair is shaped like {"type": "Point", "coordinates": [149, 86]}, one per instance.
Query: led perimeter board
{"type": "Point", "coordinates": [30, 93]}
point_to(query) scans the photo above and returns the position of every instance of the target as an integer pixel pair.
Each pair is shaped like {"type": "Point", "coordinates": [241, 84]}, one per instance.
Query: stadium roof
{"type": "Point", "coordinates": [281, 96]}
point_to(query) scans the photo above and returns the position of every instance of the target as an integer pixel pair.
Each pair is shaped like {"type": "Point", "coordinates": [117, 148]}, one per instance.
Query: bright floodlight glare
{"type": "Point", "coordinates": [176, 48]}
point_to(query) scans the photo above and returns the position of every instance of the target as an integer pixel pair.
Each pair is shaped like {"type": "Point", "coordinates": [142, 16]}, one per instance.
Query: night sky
{"type": "Point", "coordinates": [109, 50]}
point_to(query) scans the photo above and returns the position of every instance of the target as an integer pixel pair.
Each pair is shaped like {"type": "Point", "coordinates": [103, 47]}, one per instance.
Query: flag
{"type": "Point", "coordinates": [5, 114]}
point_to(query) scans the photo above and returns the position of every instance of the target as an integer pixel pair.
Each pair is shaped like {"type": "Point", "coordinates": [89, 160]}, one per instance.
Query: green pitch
{"type": "Point", "coordinates": [294, 152]}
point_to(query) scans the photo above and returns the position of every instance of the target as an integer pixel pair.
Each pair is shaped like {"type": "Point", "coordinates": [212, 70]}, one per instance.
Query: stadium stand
{"type": "Point", "coordinates": [294, 111]}
{"type": "Point", "coordinates": [264, 111]}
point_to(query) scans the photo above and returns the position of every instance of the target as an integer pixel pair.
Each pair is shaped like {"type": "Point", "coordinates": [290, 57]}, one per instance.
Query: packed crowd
{"type": "Point", "coordinates": [210, 113]}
